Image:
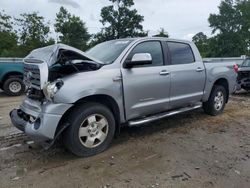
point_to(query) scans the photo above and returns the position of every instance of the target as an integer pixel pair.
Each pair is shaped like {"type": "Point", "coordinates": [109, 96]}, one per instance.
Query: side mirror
{"type": "Point", "coordinates": [139, 59]}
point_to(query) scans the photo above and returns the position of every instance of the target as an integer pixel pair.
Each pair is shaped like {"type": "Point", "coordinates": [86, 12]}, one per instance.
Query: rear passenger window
{"type": "Point", "coordinates": [180, 53]}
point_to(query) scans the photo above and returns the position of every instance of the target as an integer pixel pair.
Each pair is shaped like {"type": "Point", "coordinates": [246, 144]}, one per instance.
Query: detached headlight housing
{"type": "Point", "coordinates": [50, 89]}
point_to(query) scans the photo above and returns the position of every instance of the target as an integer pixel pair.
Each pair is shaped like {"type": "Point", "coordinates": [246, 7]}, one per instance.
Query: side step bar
{"type": "Point", "coordinates": [150, 119]}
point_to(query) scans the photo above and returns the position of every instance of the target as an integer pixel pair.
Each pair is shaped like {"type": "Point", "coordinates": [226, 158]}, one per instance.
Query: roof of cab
{"type": "Point", "coordinates": [154, 38]}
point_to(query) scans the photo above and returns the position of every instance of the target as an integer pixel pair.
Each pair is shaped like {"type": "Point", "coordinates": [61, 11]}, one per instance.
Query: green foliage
{"type": "Point", "coordinates": [5, 22]}
{"type": "Point", "coordinates": [120, 21]}
{"type": "Point", "coordinates": [226, 20]}
{"type": "Point", "coordinates": [8, 39]}
{"type": "Point", "coordinates": [244, 19]}
{"type": "Point", "coordinates": [231, 28]}
{"type": "Point", "coordinates": [8, 44]}
{"type": "Point", "coordinates": [162, 33]}
{"type": "Point", "coordinates": [33, 32]}
{"type": "Point", "coordinates": [72, 29]}
{"type": "Point", "coordinates": [202, 43]}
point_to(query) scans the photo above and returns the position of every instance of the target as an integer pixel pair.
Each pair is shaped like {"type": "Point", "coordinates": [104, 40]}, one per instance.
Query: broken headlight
{"type": "Point", "coordinates": [50, 89]}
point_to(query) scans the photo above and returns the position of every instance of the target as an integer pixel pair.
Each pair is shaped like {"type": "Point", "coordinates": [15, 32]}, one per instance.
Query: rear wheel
{"type": "Point", "coordinates": [91, 131]}
{"type": "Point", "coordinates": [13, 86]}
{"type": "Point", "coordinates": [217, 101]}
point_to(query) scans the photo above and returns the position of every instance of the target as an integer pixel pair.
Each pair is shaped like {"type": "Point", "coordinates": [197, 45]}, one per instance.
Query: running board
{"type": "Point", "coordinates": [150, 119]}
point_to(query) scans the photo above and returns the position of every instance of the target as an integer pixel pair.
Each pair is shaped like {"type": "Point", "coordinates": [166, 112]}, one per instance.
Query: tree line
{"type": "Point", "coordinates": [230, 31]}
{"type": "Point", "coordinates": [18, 36]}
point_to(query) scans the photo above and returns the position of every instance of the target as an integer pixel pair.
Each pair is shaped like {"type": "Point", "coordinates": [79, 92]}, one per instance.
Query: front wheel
{"type": "Point", "coordinates": [14, 86]}
{"type": "Point", "coordinates": [216, 102]}
{"type": "Point", "coordinates": [92, 128]}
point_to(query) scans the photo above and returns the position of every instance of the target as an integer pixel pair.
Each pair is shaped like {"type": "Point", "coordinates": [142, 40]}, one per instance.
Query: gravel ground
{"type": "Point", "coordinates": [188, 150]}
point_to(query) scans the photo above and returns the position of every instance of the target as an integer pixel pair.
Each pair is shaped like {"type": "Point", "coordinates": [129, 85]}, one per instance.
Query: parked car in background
{"type": "Point", "coordinates": [87, 97]}
{"type": "Point", "coordinates": [11, 76]}
{"type": "Point", "coordinates": [244, 75]}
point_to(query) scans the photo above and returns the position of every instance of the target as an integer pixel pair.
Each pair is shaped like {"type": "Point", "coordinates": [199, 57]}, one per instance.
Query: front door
{"type": "Point", "coordinates": [146, 88]}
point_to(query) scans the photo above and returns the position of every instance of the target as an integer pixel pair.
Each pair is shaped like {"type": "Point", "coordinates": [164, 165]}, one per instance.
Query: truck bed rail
{"type": "Point", "coordinates": [10, 60]}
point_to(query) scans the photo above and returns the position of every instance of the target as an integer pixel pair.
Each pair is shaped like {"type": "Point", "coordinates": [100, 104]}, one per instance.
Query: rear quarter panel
{"type": "Point", "coordinates": [216, 71]}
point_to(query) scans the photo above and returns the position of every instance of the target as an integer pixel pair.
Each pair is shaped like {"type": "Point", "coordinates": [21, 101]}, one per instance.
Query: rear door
{"type": "Point", "coordinates": [146, 88]}
{"type": "Point", "coordinates": [187, 75]}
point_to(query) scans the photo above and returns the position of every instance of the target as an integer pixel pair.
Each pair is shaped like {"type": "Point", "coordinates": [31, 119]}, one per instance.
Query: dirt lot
{"type": "Point", "coordinates": [188, 150]}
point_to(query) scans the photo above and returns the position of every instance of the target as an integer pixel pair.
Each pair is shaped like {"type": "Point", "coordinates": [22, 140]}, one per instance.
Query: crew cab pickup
{"type": "Point", "coordinates": [11, 76]}
{"type": "Point", "coordinates": [86, 97]}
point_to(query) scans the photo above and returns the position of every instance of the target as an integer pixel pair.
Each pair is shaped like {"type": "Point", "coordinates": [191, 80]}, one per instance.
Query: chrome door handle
{"type": "Point", "coordinates": [164, 73]}
{"type": "Point", "coordinates": [199, 69]}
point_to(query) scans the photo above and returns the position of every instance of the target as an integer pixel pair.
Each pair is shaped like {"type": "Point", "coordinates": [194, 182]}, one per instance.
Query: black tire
{"type": "Point", "coordinates": [7, 85]}
{"type": "Point", "coordinates": [246, 88]}
{"type": "Point", "coordinates": [79, 115]}
{"type": "Point", "coordinates": [210, 106]}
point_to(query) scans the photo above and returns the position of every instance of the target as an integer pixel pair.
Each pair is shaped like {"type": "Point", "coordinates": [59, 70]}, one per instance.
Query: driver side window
{"type": "Point", "coordinates": [152, 47]}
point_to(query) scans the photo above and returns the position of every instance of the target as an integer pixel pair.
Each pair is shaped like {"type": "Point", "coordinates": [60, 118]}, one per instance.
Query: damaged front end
{"type": "Point", "coordinates": [44, 71]}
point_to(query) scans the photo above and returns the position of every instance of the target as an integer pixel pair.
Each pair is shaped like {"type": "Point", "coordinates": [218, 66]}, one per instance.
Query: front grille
{"type": "Point", "coordinates": [32, 76]}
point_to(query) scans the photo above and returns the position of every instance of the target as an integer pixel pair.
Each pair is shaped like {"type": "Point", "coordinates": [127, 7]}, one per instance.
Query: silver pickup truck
{"type": "Point", "coordinates": [85, 98]}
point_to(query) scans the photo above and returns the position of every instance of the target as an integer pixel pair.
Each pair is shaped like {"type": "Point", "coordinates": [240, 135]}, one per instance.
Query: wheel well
{"type": "Point", "coordinates": [223, 82]}
{"type": "Point", "coordinates": [12, 74]}
{"type": "Point", "coordinates": [102, 99]}
{"type": "Point", "coordinates": [106, 101]}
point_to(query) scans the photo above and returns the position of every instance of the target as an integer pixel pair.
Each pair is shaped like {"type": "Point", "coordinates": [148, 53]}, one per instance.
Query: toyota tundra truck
{"type": "Point", "coordinates": [84, 98]}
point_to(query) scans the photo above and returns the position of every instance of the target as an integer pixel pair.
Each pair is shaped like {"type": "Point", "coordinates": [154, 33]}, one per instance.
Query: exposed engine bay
{"type": "Point", "coordinates": [39, 79]}
{"type": "Point", "coordinates": [69, 63]}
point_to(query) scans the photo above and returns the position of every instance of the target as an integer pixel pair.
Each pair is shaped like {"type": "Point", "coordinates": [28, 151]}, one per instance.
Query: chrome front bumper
{"type": "Point", "coordinates": [39, 121]}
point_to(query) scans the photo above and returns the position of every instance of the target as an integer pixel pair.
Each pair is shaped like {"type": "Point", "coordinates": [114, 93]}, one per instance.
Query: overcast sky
{"type": "Point", "coordinates": [181, 18]}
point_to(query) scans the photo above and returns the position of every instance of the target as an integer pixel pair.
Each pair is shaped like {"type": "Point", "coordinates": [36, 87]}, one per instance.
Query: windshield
{"type": "Point", "coordinates": [108, 52]}
{"type": "Point", "coordinates": [246, 63]}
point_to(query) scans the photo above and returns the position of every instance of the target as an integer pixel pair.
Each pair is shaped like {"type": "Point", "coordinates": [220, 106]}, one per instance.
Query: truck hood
{"type": "Point", "coordinates": [39, 66]}
{"type": "Point", "coordinates": [50, 54]}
